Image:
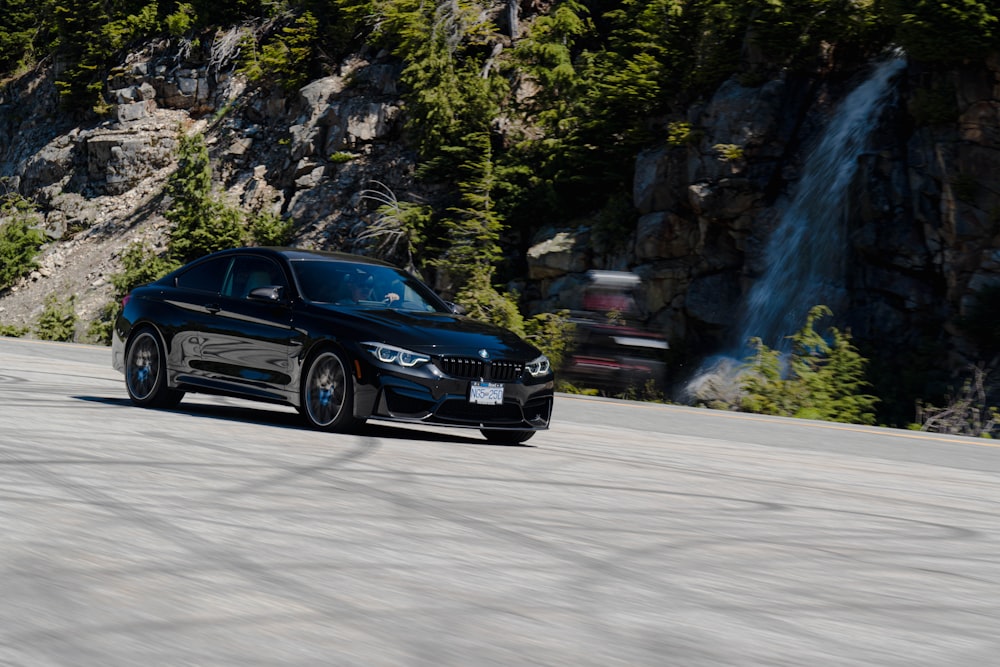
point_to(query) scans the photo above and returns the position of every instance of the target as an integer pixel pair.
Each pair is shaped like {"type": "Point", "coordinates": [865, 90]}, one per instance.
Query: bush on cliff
{"type": "Point", "coordinates": [19, 240]}
{"type": "Point", "coordinates": [822, 378]}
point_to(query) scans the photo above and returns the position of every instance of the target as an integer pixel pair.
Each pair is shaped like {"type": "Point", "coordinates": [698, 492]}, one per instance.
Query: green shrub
{"type": "Point", "coordinates": [570, 388]}
{"type": "Point", "coordinates": [728, 152]}
{"type": "Point", "coordinates": [340, 157]}
{"type": "Point", "coordinates": [681, 133]}
{"type": "Point", "coordinates": [821, 379]}
{"type": "Point", "coordinates": [399, 228]}
{"type": "Point", "coordinates": [270, 229]}
{"type": "Point", "coordinates": [12, 331]}
{"type": "Point", "coordinates": [552, 333]}
{"type": "Point", "coordinates": [182, 20]}
{"type": "Point", "coordinates": [58, 319]}
{"type": "Point", "coordinates": [19, 241]}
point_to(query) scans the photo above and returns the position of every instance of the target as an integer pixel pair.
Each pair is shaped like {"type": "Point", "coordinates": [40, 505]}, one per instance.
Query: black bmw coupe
{"type": "Point", "coordinates": [342, 338]}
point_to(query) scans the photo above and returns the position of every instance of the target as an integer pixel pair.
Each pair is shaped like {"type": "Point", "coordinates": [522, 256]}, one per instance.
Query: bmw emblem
{"type": "Point", "coordinates": [484, 354]}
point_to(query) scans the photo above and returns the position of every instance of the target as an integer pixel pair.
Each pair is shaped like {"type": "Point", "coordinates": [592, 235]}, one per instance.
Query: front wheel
{"type": "Point", "coordinates": [146, 372]}
{"type": "Point", "coordinates": [327, 393]}
{"type": "Point", "coordinates": [501, 437]}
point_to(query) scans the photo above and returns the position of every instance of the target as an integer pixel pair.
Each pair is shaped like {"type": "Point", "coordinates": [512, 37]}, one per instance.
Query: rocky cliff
{"type": "Point", "coordinates": [308, 155]}
{"type": "Point", "coordinates": [923, 221]}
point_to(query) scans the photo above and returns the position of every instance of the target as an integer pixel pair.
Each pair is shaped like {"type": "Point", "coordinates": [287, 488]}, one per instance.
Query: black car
{"type": "Point", "coordinates": [343, 338]}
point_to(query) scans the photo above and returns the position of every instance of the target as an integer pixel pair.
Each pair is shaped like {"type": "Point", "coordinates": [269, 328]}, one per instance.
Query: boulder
{"type": "Point", "coordinates": [354, 122]}
{"type": "Point", "coordinates": [558, 252]}
{"type": "Point", "coordinates": [120, 160]}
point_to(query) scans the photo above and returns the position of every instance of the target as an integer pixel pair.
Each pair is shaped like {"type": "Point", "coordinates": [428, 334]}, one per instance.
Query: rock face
{"type": "Point", "coordinates": [308, 155]}
{"type": "Point", "coordinates": [923, 222]}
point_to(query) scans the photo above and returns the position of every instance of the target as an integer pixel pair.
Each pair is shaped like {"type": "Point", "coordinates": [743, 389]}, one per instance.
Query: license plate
{"type": "Point", "coordinates": [486, 393]}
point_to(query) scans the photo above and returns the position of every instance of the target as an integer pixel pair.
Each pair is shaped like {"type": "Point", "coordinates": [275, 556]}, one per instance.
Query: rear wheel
{"type": "Point", "coordinates": [146, 372]}
{"type": "Point", "coordinates": [500, 437]}
{"type": "Point", "coordinates": [327, 393]}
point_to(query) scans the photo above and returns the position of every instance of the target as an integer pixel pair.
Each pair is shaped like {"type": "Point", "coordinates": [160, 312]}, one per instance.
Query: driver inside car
{"type": "Point", "coordinates": [362, 288]}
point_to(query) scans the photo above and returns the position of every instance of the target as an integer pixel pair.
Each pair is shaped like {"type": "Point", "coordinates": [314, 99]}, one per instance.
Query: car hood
{"type": "Point", "coordinates": [432, 333]}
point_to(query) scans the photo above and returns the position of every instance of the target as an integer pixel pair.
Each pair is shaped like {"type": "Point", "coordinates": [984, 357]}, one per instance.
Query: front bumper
{"type": "Point", "coordinates": [428, 396]}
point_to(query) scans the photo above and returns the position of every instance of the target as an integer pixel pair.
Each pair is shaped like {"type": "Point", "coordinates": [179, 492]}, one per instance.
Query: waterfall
{"type": "Point", "coordinates": [807, 252]}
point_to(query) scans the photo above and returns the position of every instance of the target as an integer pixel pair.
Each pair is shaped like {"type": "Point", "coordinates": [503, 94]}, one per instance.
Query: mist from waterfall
{"type": "Point", "coordinates": [806, 254]}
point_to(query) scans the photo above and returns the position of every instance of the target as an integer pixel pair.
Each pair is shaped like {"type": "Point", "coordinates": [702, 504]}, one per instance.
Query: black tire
{"type": "Point", "coordinates": [499, 437]}
{"type": "Point", "coordinates": [326, 393]}
{"type": "Point", "coordinates": [146, 372]}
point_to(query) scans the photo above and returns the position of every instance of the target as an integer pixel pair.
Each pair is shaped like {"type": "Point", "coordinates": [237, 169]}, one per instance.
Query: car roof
{"type": "Point", "coordinates": [301, 254]}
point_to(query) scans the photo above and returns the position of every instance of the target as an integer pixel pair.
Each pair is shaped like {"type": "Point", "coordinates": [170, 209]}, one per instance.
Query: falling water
{"type": "Point", "coordinates": [806, 254]}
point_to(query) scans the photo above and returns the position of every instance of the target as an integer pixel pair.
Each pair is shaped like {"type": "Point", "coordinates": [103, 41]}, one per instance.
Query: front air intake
{"type": "Point", "coordinates": [475, 369]}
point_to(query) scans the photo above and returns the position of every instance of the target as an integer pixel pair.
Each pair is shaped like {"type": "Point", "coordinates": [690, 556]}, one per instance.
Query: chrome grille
{"type": "Point", "coordinates": [475, 369]}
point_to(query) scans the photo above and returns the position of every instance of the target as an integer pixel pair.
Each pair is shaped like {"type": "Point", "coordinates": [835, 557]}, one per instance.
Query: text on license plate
{"type": "Point", "coordinates": [486, 393]}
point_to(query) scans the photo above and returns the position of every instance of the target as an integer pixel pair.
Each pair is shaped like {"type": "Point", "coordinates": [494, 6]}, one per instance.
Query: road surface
{"type": "Point", "coordinates": [223, 533]}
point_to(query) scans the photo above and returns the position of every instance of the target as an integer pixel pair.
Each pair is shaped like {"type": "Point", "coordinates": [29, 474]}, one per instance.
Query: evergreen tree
{"type": "Point", "coordinates": [20, 240]}
{"type": "Point", "coordinates": [202, 223]}
{"type": "Point", "coordinates": [442, 45]}
{"type": "Point", "coordinates": [473, 229]}
{"type": "Point", "coordinates": [946, 32]}
{"type": "Point", "coordinates": [79, 24]}
{"type": "Point", "coordinates": [19, 23]}
{"type": "Point", "coordinates": [230, 12]}
{"type": "Point", "coordinates": [286, 58]}
{"type": "Point", "coordinates": [90, 33]}
{"type": "Point", "coordinates": [548, 55]}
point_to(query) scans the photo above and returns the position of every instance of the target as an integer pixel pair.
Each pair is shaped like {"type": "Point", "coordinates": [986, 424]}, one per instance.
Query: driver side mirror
{"type": "Point", "coordinates": [457, 308]}
{"type": "Point", "coordinates": [272, 293]}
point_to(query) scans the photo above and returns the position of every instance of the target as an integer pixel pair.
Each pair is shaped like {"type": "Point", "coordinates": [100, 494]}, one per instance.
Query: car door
{"type": "Point", "coordinates": [194, 300]}
{"type": "Point", "coordinates": [248, 339]}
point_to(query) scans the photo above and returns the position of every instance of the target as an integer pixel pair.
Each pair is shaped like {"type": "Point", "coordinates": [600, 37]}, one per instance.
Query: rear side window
{"type": "Point", "coordinates": [207, 276]}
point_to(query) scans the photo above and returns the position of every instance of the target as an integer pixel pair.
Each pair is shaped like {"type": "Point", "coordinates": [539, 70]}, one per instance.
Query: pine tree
{"type": "Point", "coordinates": [447, 97]}
{"type": "Point", "coordinates": [19, 23]}
{"type": "Point", "coordinates": [287, 57]}
{"type": "Point", "coordinates": [473, 229]}
{"type": "Point", "coordinates": [202, 223]}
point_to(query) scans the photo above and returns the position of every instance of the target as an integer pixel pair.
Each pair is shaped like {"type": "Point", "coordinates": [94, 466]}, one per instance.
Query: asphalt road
{"type": "Point", "coordinates": [629, 534]}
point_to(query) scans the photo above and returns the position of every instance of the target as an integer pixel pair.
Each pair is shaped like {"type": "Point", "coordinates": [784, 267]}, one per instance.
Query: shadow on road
{"type": "Point", "coordinates": [281, 419]}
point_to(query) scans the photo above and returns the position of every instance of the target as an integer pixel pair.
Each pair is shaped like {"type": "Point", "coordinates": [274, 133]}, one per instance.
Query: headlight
{"type": "Point", "coordinates": [388, 354]}
{"type": "Point", "coordinates": [538, 367]}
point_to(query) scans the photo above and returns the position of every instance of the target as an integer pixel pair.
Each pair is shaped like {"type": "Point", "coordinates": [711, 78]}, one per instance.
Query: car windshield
{"type": "Point", "coordinates": [363, 285]}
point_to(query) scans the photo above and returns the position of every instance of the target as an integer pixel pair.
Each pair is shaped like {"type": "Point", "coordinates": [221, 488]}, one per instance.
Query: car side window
{"type": "Point", "coordinates": [249, 273]}
{"type": "Point", "coordinates": [206, 276]}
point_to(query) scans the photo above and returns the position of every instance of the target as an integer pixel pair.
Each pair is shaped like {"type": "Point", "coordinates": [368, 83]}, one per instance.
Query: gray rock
{"type": "Point", "coordinates": [562, 252]}
{"type": "Point", "coordinates": [665, 235]}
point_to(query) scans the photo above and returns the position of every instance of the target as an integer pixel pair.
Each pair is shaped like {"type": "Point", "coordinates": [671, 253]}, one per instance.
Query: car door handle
{"type": "Point", "coordinates": [213, 308]}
